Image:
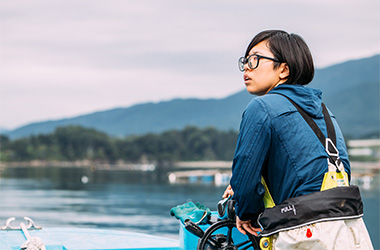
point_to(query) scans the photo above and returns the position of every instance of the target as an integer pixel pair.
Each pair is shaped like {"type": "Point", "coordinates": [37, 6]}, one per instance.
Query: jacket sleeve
{"type": "Point", "coordinates": [250, 154]}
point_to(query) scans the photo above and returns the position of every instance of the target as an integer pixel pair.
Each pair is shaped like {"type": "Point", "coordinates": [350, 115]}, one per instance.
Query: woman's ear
{"type": "Point", "coordinates": [284, 71]}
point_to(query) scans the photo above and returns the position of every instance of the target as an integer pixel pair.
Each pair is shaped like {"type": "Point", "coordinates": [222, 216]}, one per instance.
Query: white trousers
{"type": "Point", "coordinates": [330, 235]}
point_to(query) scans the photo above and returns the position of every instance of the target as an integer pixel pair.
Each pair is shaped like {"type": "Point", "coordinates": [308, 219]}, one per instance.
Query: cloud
{"type": "Point", "coordinates": [64, 58]}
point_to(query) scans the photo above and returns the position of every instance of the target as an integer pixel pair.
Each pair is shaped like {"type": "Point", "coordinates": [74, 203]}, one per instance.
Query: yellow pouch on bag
{"type": "Point", "coordinates": [333, 178]}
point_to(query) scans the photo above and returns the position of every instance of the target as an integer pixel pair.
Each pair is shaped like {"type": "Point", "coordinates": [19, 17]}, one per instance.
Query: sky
{"type": "Point", "coordinates": [64, 58]}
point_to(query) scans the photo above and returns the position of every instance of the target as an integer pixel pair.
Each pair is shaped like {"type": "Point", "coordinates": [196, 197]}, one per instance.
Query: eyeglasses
{"type": "Point", "coordinates": [253, 61]}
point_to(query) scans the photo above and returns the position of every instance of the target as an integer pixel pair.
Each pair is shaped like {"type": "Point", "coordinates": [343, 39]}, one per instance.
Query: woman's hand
{"type": "Point", "coordinates": [245, 226]}
{"type": "Point", "coordinates": [228, 192]}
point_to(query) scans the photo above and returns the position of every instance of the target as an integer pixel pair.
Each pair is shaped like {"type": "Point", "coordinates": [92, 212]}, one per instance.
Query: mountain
{"type": "Point", "coordinates": [3, 130]}
{"type": "Point", "coordinates": [153, 117]}
{"type": "Point", "coordinates": [350, 89]}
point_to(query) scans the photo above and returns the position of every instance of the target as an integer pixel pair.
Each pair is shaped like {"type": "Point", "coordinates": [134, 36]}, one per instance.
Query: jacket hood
{"type": "Point", "coordinates": [310, 100]}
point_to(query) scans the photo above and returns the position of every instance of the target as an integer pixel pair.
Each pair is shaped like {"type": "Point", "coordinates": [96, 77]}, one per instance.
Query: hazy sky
{"type": "Point", "coordinates": [69, 57]}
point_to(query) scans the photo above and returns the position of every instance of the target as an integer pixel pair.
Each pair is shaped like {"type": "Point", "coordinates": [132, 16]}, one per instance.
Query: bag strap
{"type": "Point", "coordinates": [330, 142]}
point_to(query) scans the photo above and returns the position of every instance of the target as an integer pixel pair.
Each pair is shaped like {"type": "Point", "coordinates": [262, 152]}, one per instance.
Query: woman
{"type": "Point", "coordinates": [274, 140]}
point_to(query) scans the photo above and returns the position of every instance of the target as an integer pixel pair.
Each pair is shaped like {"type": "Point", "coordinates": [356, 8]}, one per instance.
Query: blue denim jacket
{"type": "Point", "coordinates": [276, 142]}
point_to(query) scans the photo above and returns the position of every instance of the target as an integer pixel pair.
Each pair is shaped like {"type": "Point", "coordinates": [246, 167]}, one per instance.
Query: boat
{"type": "Point", "coordinates": [218, 233]}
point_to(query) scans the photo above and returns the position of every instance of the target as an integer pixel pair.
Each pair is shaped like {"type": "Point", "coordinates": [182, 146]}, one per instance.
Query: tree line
{"type": "Point", "coordinates": [74, 143]}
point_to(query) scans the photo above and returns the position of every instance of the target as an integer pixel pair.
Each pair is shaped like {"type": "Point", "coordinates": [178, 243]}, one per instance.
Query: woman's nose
{"type": "Point", "coordinates": [246, 67]}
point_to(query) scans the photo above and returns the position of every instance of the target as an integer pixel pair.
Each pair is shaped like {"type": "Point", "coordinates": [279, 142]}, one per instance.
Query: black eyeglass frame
{"type": "Point", "coordinates": [243, 61]}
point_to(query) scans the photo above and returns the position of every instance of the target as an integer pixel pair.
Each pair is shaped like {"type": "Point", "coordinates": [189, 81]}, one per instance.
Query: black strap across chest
{"type": "Point", "coordinates": [330, 145]}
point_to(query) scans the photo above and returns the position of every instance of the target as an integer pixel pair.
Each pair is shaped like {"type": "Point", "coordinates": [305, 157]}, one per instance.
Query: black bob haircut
{"type": "Point", "coordinates": [290, 49]}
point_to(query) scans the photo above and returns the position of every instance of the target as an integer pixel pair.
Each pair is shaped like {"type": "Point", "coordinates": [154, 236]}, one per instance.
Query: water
{"type": "Point", "coordinates": [139, 202]}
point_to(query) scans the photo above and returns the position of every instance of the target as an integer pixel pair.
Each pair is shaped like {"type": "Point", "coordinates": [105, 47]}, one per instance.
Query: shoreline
{"type": "Point", "coordinates": [355, 165]}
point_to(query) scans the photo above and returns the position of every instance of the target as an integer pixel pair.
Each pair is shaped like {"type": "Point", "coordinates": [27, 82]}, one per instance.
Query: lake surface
{"type": "Point", "coordinates": [128, 201]}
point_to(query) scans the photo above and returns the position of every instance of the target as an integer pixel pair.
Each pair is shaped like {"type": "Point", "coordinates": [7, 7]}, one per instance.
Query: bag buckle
{"type": "Point", "coordinates": [335, 151]}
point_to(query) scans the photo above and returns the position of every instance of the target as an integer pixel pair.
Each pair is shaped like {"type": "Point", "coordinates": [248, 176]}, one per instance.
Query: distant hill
{"type": "Point", "coordinates": [351, 90]}
{"type": "Point", "coordinates": [4, 130]}
{"type": "Point", "coordinates": [153, 117]}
